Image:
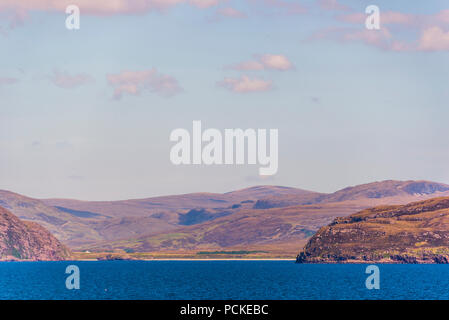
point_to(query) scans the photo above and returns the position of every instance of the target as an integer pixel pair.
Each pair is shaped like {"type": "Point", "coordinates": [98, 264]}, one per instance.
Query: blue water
{"type": "Point", "coordinates": [219, 280]}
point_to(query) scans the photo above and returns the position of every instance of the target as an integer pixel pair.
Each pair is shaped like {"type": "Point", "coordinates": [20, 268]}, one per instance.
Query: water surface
{"type": "Point", "coordinates": [219, 280]}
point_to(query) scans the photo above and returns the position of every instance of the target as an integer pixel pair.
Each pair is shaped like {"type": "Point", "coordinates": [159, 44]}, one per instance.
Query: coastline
{"type": "Point", "coordinates": [231, 259]}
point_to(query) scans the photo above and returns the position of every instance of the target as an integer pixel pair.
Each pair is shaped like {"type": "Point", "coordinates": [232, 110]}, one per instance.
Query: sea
{"type": "Point", "coordinates": [218, 280]}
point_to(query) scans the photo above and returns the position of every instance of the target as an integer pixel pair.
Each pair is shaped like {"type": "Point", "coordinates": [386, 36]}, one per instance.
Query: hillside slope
{"type": "Point", "coordinates": [78, 223]}
{"type": "Point", "coordinates": [414, 233]}
{"type": "Point", "coordinates": [66, 227]}
{"type": "Point", "coordinates": [374, 190]}
{"type": "Point", "coordinates": [262, 217]}
{"type": "Point", "coordinates": [173, 204]}
{"type": "Point", "coordinates": [279, 229]}
{"type": "Point", "coordinates": [21, 240]}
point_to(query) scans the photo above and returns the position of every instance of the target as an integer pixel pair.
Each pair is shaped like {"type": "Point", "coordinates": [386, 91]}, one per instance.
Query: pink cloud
{"type": "Point", "coordinates": [276, 62]}
{"type": "Point", "coordinates": [135, 82]}
{"type": "Point", "coordinates": [428, 30]}
{"type": "Point", "coordinates": [419, 21]}
{"type": "Point", "coordinates": [434, 39]}
{"type": "Point", "coordinates": [380, 38]}
{"type": "Point", "coordinates": [280, 6]}
{"type": "Point", "coordinates": [333, 5]}
{"type": "Point", "coordinates": [442, 17]}
{"type": "Point", "coordinates": [356, 18]}
{"type": "Point", "coordinates": [431, 39]}
{"type": "Point", "coordinates": [64, 80]}
{"type": "Point", "coordinates": [18, 18]}
{"type": "Point", "coordinates": [391, 17]}
{"type": "Point", "coordinates": [247, 66]}
{"type": "Point", "coordinates": [386, 18]}
{"type": "Point", "coordinates": [245, 84]}
{"type": "Point", "coordinates": [231, 13]}
{"type": "Point", "coordinates": [12, 18]}
{"type": "Point", "coordinates": [104, 7]}
{"type": "Point", "coordinates": [7, 81]}
{"type": "Point", "coordinates": [266, 61]}
{"type": "Point", "coordinates": [203, 4]}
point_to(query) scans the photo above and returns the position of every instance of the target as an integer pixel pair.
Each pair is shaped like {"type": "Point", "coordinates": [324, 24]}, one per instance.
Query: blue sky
{"type": "Point", "coordinates": [350, 110]}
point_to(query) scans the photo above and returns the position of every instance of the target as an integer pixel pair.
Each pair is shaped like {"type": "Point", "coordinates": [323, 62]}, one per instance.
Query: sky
{"type": "Point", "coordinates": [87, 113]}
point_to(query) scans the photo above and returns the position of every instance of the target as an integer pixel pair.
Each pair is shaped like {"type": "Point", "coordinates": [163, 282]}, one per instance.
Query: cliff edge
{"type": "Point", "coordinates": [414, 233]}
{"type": "Point", "coordinates": [23, 240]}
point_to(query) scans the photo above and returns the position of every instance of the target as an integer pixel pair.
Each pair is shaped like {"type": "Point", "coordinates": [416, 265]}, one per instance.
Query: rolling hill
{"type": "Point", "coordinates": [276, 229]}
{"type": "Point", "coordinates": [78, 223]}
{"type": "Point", "coordinates": [268, 218]}
{"type": "Point", "coordinates": [376, 190]}
{"type": "Point", "coordinates": [64, 226]}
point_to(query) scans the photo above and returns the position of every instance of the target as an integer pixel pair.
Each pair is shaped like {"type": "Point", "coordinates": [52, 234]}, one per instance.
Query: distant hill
{"type": "Point", "coordinates": [259, 218]}
{"type": "Point", "coordinates": [283, 228]}
{"type": "Point", "coordinates": [385, 189]}
{"type": "Point", "coordinates": [414, 233]}
{"type": "Point", "coordinates": [65, 226]}
{"type": "Point", "coordinates": [77, 223]}
{"type": "Point", "coordinates": [21, 240]}
{"type": "Point", "coordinates": [374, 190]}
{"type": "Point", "coordinates": [175, 203]}
{"type": "Point", "coordinates": [260, 192]}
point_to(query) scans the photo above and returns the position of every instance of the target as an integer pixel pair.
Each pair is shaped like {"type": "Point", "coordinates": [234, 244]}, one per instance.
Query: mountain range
{"type": "Point", "coordinates": [264, 218]}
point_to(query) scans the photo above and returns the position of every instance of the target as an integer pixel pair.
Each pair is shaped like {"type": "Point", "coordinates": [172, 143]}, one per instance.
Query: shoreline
{"type": "Point", "coordinates": [190, 259]}
{"type": "Point", "coordinates": [156, 259]}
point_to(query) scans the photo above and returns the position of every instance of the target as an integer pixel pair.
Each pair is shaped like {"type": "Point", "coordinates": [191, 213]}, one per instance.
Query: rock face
{"type": "Point", "coordinates": [414, 233]}
{"type": "Point", "coordinates": [23, 240]}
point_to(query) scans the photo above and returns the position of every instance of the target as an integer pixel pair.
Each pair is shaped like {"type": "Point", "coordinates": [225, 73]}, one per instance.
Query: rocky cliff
{"type": "Point", "coordinates": [23, 240]}
{"type": "Point", "coordinates": [414, 233]}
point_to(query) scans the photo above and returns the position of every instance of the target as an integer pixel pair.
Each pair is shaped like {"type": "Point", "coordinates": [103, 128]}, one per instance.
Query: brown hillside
{"type": "Point", "coordinates": [414, 233]}
{"type": "Point", "coordinates": [21, 240]}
